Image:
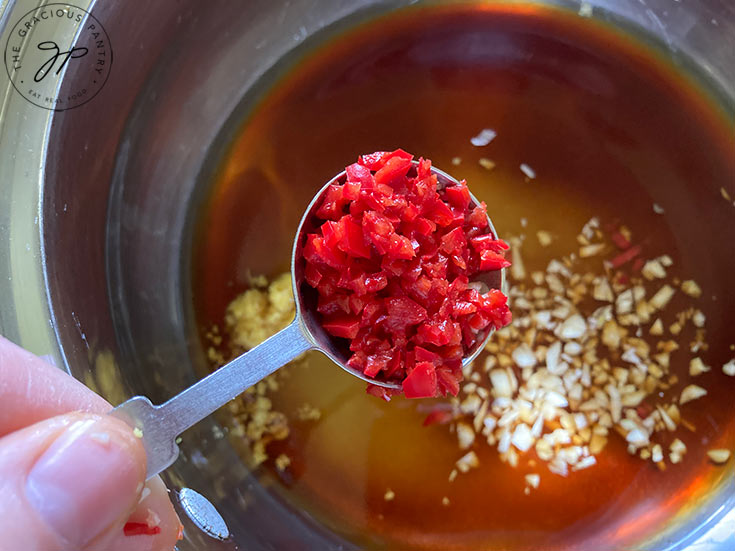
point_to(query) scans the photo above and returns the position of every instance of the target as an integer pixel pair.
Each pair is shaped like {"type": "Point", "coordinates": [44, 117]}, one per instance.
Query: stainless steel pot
{"type": "Point", "coordinates": [97, 203]}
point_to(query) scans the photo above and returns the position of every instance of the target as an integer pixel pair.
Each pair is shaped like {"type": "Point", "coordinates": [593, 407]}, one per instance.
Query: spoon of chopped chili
{"type": "Point", "coordinates": [397, 274]}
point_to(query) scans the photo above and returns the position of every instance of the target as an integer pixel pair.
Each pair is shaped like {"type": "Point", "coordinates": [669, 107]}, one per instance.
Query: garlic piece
{"type": "Point", "coordinates": [591, 250]}
{"type": "Point", "coordinates": [544, 238]}
{"type": "Point", "coordinates": [653, 269]}
{"type": "Point", "coordinates": [662, 297]}
{"type": "Point", "coordinates": [719, 456]}
{"type": "Point", "coordinates": [501, 383]}
{"type": "Point", "coordinates": [465, 435]}
{"type": "Point", "coordinates": [522, 438]}
{"type": "Point", "coordinates": [602, 291]}
{"type": "Point", "coordinates": [467, 461]}
{"type": "Point", "coordinates": [523, 356]}
{"type": "Point", "coordinates": [690, 287]}
{"type": "Point", "coordinates": [573, 328]}
{"type": "Point", "coordinates": [691, 392]}
{"type": "Point", "coordinates": [657, 453]}
{"type": "Point", "coordinates": [533, 480]}
{"type": "Point", "coordinates": [697, 367]}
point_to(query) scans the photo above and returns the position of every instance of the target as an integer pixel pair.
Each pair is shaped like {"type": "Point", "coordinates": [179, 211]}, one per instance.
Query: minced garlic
{"type": "Point", "coordinates": [573, 368]}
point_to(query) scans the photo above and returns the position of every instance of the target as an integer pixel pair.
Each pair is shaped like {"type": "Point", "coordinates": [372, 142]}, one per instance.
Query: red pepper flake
{"type": "Point", "coordinates": [140, 528]}
{"type": "Point", "coordinates": [625, 257]}
{"type": "Point", "coordinates": [438, 417]}
{"type": "Point", "coordinates": [644, 410]}
{"type": "Point", "coordinates": [638, 264]}
{"type": "Point", "coordinates": [621, 278]}
{"type": "Point", "coordinates": [392, 263]}
{"type": "Point", "coordinates": [612, 225]}
{"type": "Point", "coordinates": [620, 241]}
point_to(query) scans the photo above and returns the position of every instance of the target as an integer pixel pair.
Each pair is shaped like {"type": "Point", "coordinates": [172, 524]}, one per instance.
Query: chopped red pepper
{"type": "Point", "coordinates": [343, 326]}
{"type": "Point", "coordinates": [438, 417]}
{"type": "Point", "coordinates": [140, 528]}
{"type": "Point", "coordinates": [391, 264]}
{"type": "Point", "coordinates": [421, 382]}
{"type": "Point", "coordinates": [625, 257]}
{"type": "Point", "coordinates": [644, 410]}
{"type": "Point", "coordinates": [621, 242]}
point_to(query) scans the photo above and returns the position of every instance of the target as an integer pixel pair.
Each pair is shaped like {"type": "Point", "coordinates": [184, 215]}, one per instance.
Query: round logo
{"type": "Point", "coordinates": [58, 56]}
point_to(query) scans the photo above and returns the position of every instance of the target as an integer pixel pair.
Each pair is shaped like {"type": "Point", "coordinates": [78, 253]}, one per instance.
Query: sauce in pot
{"type": "Point", "coordinates": [607, 129]}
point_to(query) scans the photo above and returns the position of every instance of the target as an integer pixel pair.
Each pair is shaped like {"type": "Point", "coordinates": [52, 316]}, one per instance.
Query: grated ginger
{"type": "Point", "coordinates": [251, 318]}
{"type": "Point", "coordinates": [257, 314]}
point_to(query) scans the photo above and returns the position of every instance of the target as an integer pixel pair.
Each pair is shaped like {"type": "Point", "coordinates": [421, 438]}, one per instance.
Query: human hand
{"type": "Point", "coordinates": [71, 477]}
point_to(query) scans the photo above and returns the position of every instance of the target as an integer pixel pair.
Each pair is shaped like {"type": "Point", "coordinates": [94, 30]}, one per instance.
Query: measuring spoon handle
{"type": "Point", "coordinates": [158, 426]}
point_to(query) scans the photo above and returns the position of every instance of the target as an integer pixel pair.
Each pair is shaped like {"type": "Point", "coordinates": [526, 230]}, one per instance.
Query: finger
{"type": "Point", "coordinates": [67, 482]}
{"type": "Point", "coordinates": [147, 513]}
{"type": "Point", "coordinates": [32, 390]}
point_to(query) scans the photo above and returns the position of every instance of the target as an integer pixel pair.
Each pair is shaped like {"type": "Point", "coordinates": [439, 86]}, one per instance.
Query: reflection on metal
{"type": "Point", "coordinates": [203, 514]}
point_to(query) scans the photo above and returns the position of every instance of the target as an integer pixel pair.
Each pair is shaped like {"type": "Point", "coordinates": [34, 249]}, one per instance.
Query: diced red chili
{"type": "Point", "coordinates": [438, 417]}
{"type": "Point", "coordinates": [377, 160]}
{"type": "Point", "coordinates": [621, 242]}
{"type": "Point", "coordinates": [644, 409]}
{"type": "Point", "coordinates": [140, 528]}
{"type": "Point", "coordinates": [342, 326]}
{"type": "Point", "coordinates": [458, 196]}
{"type": "Point", "coordinates": [391, 264]}
{"type": "Point", "coordinates": [490, 260]}
{"type": "Point", "coordinates": [421, 382]}
{"type": "Point", "coordinates": [625, 257]}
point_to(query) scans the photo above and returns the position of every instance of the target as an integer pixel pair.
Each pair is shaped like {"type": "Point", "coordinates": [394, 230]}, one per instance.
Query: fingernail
{"type": "Point", "coordinates": [85, 481]}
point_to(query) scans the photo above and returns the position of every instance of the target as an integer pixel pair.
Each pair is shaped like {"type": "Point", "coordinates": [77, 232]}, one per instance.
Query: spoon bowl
{"type": "Point", "coordinates": [306, 297]}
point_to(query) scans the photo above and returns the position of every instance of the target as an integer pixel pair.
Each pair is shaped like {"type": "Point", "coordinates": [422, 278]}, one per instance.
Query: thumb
{"type": "Point", "coordinates": [68, 482]}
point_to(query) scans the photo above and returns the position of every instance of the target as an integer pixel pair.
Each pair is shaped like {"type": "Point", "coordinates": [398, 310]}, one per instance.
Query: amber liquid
{"type": "Point", "coordinates": [609, 129]}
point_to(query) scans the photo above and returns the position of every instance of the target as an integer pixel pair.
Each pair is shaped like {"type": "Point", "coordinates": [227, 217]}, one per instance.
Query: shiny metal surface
{"type": "Point", "coordinates": [203, 513]}
{"type": "Point", "coordinates": [160, 425]}
{"type": "Point", "coordinates": [96, 207]}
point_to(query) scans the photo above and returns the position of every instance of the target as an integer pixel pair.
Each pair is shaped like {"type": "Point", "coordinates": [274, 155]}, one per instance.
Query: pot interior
{"type": "Point", "coordinates": [211, 163]}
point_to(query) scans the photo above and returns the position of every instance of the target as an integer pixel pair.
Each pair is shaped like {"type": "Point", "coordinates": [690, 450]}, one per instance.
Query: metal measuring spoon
{"type": "Point", "coordinates": [158, 426]}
